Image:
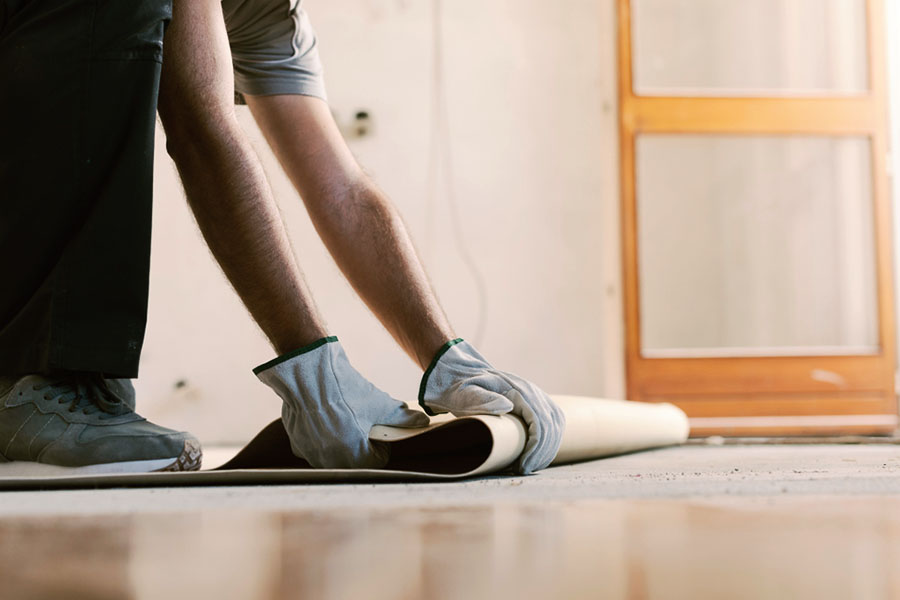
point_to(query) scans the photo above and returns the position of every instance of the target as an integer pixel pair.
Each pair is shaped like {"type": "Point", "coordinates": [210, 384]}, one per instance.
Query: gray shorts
{"type": "Point", "coordinates": [273, 49]}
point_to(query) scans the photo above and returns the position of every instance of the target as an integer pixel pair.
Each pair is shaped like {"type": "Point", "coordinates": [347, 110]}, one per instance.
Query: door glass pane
{"type": "Point", "coordinates": [749, 47]}
{"type": "Point", "coordinates": [755, 245]}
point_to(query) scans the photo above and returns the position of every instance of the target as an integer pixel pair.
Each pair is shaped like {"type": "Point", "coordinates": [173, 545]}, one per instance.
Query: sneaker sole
{"type": "Point", "coordinates": [190, 459]}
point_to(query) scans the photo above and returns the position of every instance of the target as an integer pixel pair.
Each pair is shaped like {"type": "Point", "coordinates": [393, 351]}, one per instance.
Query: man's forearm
{"type": "Point", "coordinates": [368, 239]}
{"type": "Point", "coordinates": [359, 225]}
{"type": "Point", "coordinates": [241, 225]}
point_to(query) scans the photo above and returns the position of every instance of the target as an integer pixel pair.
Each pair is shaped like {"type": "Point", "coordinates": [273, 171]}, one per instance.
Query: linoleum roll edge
{"type": "Point", "coordinates": [597, 427]}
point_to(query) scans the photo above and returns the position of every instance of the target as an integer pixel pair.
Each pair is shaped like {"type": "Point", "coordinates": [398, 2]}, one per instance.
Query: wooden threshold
{"type": "Point", "coordinates": [778, 425]}
{"type": "Point", "coordinates": [769, 415]}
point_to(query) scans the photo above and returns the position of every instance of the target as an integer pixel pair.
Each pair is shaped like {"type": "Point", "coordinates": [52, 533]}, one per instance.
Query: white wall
{"type": "Point", "coordinates": [531, 98]}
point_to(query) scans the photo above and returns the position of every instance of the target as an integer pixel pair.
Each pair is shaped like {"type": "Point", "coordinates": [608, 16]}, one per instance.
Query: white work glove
{"type": "Point", "coordinates": [460, 381]}
{"type": "Point", "coordinates": [329, 407]}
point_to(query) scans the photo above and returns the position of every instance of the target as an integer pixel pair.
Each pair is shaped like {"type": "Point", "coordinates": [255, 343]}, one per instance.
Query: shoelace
{"type": "Point", "coordinates": [88, 394]}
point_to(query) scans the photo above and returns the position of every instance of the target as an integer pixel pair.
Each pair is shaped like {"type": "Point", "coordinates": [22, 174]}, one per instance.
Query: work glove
{"type": "Point", "coordinates": [460, 381]}
{"type": "Point", "coordinates": [329, 407]}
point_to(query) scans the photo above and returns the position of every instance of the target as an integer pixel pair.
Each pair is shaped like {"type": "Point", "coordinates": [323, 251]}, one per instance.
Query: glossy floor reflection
{"type": "Point", "coordinates": [812, 547]}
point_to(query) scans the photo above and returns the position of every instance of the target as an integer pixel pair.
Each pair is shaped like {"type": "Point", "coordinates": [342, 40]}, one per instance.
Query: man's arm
{"type": "Point", "coordinates": [359, 225]}
{"type": "Point", "coordinates": [225, 184]}
{"type": "Point", "coordinates": [329, 407]}
{"type": "Point", "coordinates": [368, 240]}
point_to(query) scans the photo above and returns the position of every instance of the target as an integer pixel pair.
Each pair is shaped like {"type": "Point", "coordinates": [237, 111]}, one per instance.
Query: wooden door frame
{"type": "Point", "coordinates": [765, 395]}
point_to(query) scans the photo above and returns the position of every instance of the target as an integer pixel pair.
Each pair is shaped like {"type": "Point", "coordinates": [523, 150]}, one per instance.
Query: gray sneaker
{"type": "Point", "coordinates": [77, 425]}
{"type": "Point", "coordinates": [123, 389]}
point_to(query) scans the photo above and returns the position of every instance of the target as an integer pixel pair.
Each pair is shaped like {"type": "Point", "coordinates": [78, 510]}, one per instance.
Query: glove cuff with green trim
{"type": "Point", "coordinates": [459, 380]}
{"type": "Point", "coordinates": [456, 367]}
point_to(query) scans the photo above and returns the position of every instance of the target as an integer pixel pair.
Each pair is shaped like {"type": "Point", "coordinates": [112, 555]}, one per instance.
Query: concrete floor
{"type": "Point", "coordinates": [690, 522]}
{"type": "Point", "coordinates": [685, 472]}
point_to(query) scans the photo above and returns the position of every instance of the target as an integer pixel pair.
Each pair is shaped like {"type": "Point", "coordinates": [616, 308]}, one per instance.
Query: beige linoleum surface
{"type": "Point", "coordinates": [783, 522]}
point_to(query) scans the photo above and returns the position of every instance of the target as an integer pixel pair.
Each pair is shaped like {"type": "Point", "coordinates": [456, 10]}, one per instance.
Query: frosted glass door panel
{"type": "Point", "coordinates": [749, 47]}
{"type": "Point", "coordinates": [752, 245]}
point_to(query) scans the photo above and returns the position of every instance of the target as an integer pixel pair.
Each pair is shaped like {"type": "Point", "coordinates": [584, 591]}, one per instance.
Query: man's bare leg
{"type": "Point", "coordinates": [357, 222]}
{"type": "Point", "coordinates": [225, 184]}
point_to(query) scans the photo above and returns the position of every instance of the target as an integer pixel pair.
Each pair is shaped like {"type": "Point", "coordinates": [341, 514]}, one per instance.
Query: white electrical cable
{"type": "Point", "coordinates": [441, 161]}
